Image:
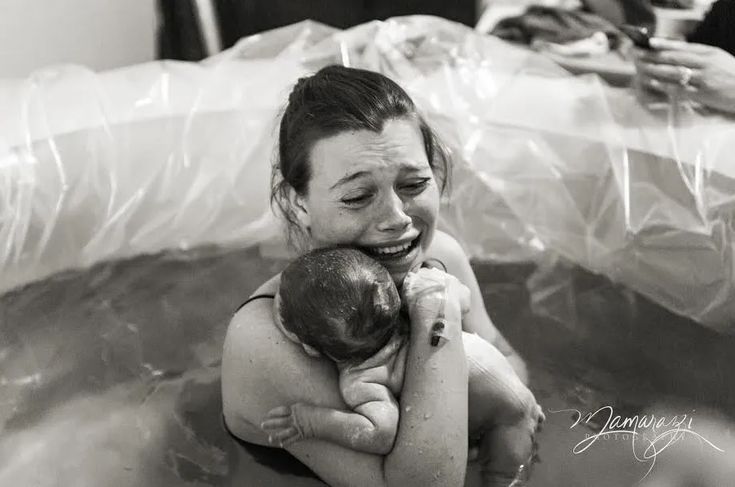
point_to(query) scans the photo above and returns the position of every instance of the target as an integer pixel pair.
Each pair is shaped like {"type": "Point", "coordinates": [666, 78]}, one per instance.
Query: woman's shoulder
{"type": "Point", "coordinates": [253, 350]}
{"type": "Point", "coordinates": [447, 250]}
{"type": "Point", "coordinates": [269, 287]}
{"type": "Point", "coordinates": [253, 321]}
{"type": "Point", "coordinates": [257, 308]}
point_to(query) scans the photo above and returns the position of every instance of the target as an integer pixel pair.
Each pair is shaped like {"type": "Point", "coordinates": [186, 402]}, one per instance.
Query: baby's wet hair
{"type": "Point", "coordinates": [339, 301]}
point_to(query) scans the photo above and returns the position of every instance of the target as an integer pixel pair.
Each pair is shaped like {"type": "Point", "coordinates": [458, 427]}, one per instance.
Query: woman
{"type": "Point", "coordinates": [358, 166]}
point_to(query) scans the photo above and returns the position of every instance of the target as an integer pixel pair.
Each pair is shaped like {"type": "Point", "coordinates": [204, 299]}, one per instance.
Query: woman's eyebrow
{"type": "Point", "coordinates": [410, 167]}
{"type": "Point", "coordinates": [349, 177]}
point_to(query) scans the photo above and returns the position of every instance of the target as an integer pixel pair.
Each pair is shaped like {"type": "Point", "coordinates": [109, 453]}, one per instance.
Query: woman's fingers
{"type": "Point", "coordinates": [665, 87]}
{"type": "Point", "coordinates": [661, 44]}
{"type": "Point", "coordinates": [670, 74]}
{"type": "Point", "coordinates": [676, 58]}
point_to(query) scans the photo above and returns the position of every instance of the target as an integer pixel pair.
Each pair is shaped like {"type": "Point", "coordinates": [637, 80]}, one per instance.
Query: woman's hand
{"type": "Point", "coordinates": [706, 72]}
{"type": "Point", "coordinates": [430, 293]}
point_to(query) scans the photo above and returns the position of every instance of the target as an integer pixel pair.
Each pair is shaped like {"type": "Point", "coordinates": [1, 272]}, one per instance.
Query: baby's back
{"type": "Point", "coordinates": [361, 383]}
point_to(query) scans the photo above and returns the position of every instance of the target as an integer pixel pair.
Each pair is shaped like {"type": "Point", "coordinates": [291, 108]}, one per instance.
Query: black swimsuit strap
{"type": "Point", "coordinates": [253, 298]}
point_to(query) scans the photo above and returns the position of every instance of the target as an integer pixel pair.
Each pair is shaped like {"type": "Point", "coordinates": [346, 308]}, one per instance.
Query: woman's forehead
{"type": "Point", "coordinates": [399, 146]}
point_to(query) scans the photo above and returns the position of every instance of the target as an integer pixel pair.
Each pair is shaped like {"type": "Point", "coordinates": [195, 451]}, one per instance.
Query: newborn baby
{"type": "Point", "coordinates": [342, 304]}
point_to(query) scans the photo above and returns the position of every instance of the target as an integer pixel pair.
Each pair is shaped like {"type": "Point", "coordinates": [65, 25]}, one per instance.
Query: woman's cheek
{"type": "Point", "coordinates": [427, 205]}
{"type": "Point", "coordinates": [339, 227]}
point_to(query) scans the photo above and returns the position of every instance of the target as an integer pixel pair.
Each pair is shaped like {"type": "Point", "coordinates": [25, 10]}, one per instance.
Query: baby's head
{"type": "Point", "coordinates": [339, 302]}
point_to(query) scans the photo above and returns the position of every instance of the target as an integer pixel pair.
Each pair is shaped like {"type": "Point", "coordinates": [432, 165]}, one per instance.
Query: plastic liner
{"type": "Point", "coordinates": [175, 155]}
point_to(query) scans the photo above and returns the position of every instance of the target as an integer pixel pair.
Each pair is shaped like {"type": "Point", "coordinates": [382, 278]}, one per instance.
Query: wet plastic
{"type": "Point", "coordinates": [176, 155]}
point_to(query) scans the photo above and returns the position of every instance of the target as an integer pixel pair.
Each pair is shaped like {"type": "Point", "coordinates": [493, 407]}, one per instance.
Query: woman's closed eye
{"type": "Point", "coordinates": [356, 200]}
{"type": "Point", "coordinates": [416, 187]}
{"type": "Point", "coordinates": [411, 188]}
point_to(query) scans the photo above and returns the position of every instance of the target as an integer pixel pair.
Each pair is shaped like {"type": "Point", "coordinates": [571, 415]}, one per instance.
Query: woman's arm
{"type": "Point", "coordinates": [450, 252]}
{"type": "Point", "coordinates": [261, 370]}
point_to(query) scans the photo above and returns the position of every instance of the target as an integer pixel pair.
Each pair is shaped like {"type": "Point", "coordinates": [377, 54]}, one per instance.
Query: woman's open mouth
{"type": "Point", "coordinates": [393, 253]}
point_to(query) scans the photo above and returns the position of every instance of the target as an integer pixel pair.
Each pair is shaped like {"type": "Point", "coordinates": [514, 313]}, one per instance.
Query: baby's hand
{"type": "Point", "coordinates": [285, 425]}
{"type": "Point", "coordinates": [431, 293]}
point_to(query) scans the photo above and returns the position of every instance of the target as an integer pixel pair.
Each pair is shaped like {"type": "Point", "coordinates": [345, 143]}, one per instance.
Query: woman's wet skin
{"type": "Point", "coordinates": [373, 190]}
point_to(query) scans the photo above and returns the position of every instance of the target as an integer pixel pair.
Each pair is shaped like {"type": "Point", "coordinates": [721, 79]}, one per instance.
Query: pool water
{"type": "Point", "coordinates": [110, 376]}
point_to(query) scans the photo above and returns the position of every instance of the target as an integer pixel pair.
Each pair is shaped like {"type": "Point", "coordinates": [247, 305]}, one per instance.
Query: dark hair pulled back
{"type": "Point", "coordinates": [338, 99]}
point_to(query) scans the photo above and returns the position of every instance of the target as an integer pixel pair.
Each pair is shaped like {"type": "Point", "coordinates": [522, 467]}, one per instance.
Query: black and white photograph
{"type": "Point", "coordinates": [367, 243]}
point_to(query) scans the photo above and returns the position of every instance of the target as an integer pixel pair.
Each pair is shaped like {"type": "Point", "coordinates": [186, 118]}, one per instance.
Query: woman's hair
{"type": "Point", "coordinates": [337, 99]}
{"type": "Point", "coordinates": [340, 302]}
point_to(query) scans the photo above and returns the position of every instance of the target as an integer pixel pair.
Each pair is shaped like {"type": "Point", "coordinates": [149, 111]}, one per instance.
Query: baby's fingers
{"type": "Point", "coordinates": [279, 412]}
{"type": "Point", "coordinates": [285, 436]}
{"type": "Point", "coordinates": [275, 424]}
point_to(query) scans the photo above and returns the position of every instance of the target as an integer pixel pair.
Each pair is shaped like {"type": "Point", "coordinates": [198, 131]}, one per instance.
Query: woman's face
{"type": "Point", "coordinates": [376, 192]}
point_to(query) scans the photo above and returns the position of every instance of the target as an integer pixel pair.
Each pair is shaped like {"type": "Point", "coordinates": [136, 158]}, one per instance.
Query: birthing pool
{"type": "Point", "coordinates": [110, 376]}
{"type": "Point", "coordinates": [134, 220]}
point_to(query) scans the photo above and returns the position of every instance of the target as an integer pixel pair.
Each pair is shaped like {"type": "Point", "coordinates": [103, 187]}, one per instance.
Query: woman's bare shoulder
{"type": "Point", "coordinates": [270, 286]}
{"type": "Point", "coordinates": [251, 348]}
{"type": "Point", "coordinates": [252, 326]}
{"type": "Point", "coordinates": [448, 250]}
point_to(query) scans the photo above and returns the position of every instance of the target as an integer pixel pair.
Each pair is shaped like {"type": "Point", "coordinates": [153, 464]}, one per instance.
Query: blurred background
{"type": "Point", "coordinates": [105, 34]}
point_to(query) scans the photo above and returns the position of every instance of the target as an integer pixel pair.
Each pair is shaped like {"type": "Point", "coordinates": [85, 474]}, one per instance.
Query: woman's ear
{"type": "Point", "coordinates": [298, 203]}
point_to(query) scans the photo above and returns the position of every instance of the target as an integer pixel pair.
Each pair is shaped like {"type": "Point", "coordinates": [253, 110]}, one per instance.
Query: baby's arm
{"type": "Point", "coordinates": [371, 427]}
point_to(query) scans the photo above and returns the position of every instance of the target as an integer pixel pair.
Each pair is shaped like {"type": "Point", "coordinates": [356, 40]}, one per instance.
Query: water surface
{"type": "Point", "coordinates": [110, 376]}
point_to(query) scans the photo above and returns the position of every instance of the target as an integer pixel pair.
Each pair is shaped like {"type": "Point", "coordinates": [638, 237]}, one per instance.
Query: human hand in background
{"type": "Point", "coordinates": [707, 73]}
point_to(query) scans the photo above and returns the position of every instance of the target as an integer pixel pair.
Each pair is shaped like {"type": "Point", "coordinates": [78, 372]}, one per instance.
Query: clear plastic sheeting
{"type": "Point", "coordinates": [162, 155]}
{"type": "Point", "coordinates": [176, 155]}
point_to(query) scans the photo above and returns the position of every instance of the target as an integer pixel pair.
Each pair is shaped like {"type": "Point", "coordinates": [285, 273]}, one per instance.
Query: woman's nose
{"type": "Point", "coordinates": [393, 217]}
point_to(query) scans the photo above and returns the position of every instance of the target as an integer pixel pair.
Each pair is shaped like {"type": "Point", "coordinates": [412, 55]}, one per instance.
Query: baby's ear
{"type": "Point", "coordinates": [279, 322]}
{"type": "Point", "coordinates": [384, 296]}
{"type": "Point", "coordinates": [311, 351]}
